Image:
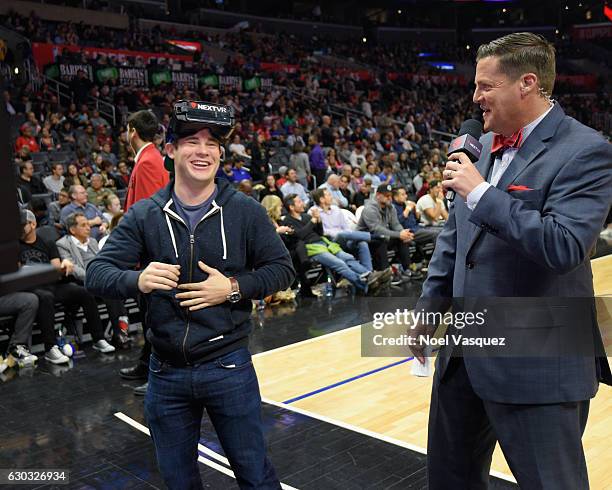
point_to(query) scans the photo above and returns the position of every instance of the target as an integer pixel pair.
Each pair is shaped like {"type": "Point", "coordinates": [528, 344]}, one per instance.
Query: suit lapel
{"type": "Point", "coordinates": [525, 156]}
{"type": "Point", "coordinates": [533, 147]}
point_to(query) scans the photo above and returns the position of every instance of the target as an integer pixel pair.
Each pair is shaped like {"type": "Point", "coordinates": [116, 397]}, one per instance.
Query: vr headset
{"type": "Point", "coordinates": [190, 116]}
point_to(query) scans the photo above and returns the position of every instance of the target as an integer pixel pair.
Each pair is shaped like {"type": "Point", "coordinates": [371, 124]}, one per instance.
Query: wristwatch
{"type": "Point", "coordinates": [234, 296]}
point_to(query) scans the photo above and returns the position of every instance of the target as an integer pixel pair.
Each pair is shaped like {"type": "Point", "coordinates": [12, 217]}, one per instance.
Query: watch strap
{"type": "Point", "coordinates": [234, 284]}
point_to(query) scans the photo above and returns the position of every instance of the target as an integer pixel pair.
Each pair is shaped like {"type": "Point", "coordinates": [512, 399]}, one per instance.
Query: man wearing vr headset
{"type": "Point", "coordinates": [208, 251]}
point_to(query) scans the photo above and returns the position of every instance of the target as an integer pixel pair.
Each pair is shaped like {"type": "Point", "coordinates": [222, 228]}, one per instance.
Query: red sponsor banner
{"type": "Point", "coordinates": [592, 32]}
{"type": "Point", "coordinates": [287, 68]}
{"type": "Point", "coordinates": [45, 53]}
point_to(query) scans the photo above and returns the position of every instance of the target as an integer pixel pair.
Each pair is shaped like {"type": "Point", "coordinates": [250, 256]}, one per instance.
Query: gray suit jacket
{"type": "Point", "coordinates": [68, 250]}
{"type": "Point", "coordinates": [530, 243]}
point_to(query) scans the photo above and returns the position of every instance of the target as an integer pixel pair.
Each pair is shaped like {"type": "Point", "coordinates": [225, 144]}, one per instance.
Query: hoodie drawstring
{"type": "Point", "coordinates": [171, 235]}
{"type": "Point", "coordinates": [223, 235]}
{"type": "Point", "coordinates": [223, 239]}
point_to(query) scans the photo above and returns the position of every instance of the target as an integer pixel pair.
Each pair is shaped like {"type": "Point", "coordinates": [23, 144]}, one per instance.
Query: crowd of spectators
{"type": "Point", "coordinates": [343, 188]}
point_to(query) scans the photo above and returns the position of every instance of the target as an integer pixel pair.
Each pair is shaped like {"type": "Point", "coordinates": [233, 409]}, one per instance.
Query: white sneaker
{"type": "Point", "coordinates": [55, 356]}
{"type": "Point", "coordinates": [103, 346]}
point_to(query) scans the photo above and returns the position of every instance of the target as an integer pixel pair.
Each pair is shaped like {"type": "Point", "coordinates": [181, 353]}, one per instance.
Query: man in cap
{"type": "Point", "coordinates": [239, 172]}
{"type": "Point", "coordinates": [207, 251]}
{"type": "Point", "coordinates": [379, 217]}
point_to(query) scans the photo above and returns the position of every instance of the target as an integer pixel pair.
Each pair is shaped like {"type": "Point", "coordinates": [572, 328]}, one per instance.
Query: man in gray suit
{"type": "Point", "coordinates": [80, 248]}
{"type": "Point", "coordinates": [524, 222]}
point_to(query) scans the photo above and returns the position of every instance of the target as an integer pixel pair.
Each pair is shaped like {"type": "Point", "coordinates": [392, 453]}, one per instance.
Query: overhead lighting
{"type": "Point", "coordinates": [467, 47]}
{"type": "Point", "coordinates": [16, 70]}
{"type": "Point", "coordinates": [364, 39]}
{"type": "Point", "coordinates": [504, 11]}
{"type": "Point", "coordinates": [556, 31]}
{"type": "Point", "coordinates": [399, 12]}
{"type": "Point", "coordinates": [566, 7]}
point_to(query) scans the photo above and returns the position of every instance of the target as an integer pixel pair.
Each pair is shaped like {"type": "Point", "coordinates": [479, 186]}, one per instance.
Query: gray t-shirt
{"type": "Point", "coordinates": [193, 214]}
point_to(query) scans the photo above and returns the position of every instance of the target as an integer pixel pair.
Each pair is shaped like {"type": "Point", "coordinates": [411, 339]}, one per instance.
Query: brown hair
{"type": "Point", "coordinates": [523, 52]}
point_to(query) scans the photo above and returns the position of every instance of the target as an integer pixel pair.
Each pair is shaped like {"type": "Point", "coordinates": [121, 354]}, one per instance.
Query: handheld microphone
{"type": "Point", "coordinates": [467, 142]}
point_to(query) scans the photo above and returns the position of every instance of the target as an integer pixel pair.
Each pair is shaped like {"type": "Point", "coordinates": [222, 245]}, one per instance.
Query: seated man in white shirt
{"type": "Point", "coordinates": [337, 227]}
{"type": "Point", "coordinates": [80, 248]}
{"type": "Point", "coordinates": [431, 206]}
{"type": "Point", "coordinates": [55, 182]}
{"type": "Point", "coordinates": [333, 186]}
{"type": "Point", "coordinates": [292, 186]}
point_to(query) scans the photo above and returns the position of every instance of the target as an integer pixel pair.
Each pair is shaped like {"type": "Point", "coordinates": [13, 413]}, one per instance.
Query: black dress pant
{"type": "Point", "coordinates": [70, 295]}
{"type": "Point", "coordinates": [380, 247]}
{"type": "Point", "coordinates": [542, 443]}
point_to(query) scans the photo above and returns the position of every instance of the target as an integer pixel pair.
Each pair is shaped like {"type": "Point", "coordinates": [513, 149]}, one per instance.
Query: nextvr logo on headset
{"type": "Point", "coordinates": [206, 107]}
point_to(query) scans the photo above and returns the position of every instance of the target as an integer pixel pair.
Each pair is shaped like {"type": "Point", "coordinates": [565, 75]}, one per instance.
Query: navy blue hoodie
{"type": "Point", "coordinates": [235, 236]}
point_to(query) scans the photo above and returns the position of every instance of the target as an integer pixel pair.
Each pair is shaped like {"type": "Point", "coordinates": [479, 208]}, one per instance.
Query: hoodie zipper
{"type": "Point", "coordinates": [191, 247]}
{"type": "Point", "coordinates": [191, 242]}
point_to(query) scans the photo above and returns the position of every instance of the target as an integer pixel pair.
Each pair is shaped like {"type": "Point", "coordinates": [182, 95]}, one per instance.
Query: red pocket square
{"type": "Point", "coordinates": [512, 188]}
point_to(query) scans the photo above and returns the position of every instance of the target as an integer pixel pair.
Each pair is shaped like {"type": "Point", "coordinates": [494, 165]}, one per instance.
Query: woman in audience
{"type": "Point", "coordinates": [112, 207]}
{"type": "Point", "coordinates": [106, 171]}
{"type": "Point", "coordinates": [67, 137]}
{"type": "Point", "coordinates": [356, 180]}
{"type": "Point", "coordinates": [345, 189]}
{"type": "Point", "coordinates": [47, 143]}
{"type": "Point", "coordinates": [274, 206]}
{"type": "Point", "coordinates": [333, 161]}
{"type": "Point", "coordinates": [74, 178]}
{"type": "Point", "coordinates": [270, 189]}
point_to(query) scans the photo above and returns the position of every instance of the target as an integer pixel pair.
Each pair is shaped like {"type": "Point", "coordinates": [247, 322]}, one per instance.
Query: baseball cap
{"type": "Point", "coordinates": [27, 216]}
{"type": "Point", "coordinates": [384, 188]}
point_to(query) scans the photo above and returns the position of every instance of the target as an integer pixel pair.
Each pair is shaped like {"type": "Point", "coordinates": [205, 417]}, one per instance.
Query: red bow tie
{"type": "Point", "coordinates": [502, 143]}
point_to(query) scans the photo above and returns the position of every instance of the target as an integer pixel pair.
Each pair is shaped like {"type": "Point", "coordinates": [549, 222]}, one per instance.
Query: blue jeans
{"type": "Point", "coordinates": [344, 264]}
{"type": "Point", "coordinates": [357, 241]}
{"type": "Point", "coordinates": [227, 388]}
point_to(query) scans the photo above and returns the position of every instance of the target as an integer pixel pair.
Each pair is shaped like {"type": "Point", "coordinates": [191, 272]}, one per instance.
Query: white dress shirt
{"type": "Point", "coordinates": [79, 244]}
